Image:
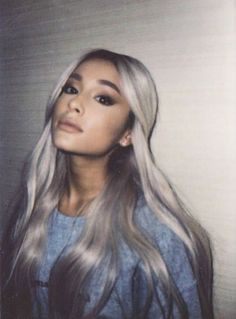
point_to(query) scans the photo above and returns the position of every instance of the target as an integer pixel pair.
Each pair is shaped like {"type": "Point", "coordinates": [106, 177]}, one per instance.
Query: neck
{"type": "Point", "coordinates": [86, 176]}
{"type": "Point", "coordinates": [86, 179]}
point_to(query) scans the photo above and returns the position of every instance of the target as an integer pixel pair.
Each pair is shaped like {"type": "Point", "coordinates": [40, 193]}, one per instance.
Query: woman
{"type": "Point", "coordinates": [98, 231]}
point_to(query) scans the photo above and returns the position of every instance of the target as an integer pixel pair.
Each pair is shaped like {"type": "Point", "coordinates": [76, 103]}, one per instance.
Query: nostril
{"type": "Point", "coordinates": [75, 105]}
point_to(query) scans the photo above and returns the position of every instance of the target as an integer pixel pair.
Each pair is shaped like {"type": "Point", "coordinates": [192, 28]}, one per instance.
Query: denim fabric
{"type": "Point", "coordinates": [130, 286]}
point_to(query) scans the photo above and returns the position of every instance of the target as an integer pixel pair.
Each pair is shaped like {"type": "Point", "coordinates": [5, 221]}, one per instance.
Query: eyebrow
{"type": "Point", "coordinates": [112, 85]}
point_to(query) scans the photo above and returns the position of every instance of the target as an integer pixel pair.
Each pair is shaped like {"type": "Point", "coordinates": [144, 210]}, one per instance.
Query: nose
{"type": "Point", "coordinates": [75, 104]}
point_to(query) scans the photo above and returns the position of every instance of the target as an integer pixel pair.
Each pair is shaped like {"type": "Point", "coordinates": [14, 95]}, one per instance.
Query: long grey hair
{"type": "Point", "coordinates": [132, 171]}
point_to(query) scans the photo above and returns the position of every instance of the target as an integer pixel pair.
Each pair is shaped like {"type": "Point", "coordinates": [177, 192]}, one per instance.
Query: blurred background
{"type": "Point", "coordinates": [189, 47]}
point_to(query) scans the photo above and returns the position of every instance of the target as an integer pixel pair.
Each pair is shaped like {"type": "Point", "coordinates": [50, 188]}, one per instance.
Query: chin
{"type": "Point", "coordinates": [62, 144]}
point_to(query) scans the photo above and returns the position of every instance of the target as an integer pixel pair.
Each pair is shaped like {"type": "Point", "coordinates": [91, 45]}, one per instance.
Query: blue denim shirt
{"type": "Point", "coordinates": [64, 230]}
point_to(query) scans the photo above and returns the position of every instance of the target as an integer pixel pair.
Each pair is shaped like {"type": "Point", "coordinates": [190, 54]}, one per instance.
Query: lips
{"type": "Point", "coordinates": [69, 126]}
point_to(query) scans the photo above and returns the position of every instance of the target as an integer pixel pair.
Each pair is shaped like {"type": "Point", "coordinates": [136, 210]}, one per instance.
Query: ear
{"type": "Point", "coordinates": [126, 139]}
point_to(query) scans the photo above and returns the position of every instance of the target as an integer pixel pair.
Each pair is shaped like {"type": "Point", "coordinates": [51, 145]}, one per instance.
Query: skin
{"type": "Point", "coordinates": [89, 121]}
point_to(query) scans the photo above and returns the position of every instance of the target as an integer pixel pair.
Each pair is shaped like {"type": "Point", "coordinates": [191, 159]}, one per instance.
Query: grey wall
{"type": "Point", "coordinates": [189, 45]}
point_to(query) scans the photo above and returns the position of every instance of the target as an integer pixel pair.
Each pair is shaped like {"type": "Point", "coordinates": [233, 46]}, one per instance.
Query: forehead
{"type": "Point", "coordinates": [98, 69]}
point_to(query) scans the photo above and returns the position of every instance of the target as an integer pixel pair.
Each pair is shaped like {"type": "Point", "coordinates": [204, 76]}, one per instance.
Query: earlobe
{"type": "Point", "coordinates": [126, 140]}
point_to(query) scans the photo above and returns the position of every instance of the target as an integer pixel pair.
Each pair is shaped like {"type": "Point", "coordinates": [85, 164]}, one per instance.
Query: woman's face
{"type": "Point", "coordinates": [90, 116]}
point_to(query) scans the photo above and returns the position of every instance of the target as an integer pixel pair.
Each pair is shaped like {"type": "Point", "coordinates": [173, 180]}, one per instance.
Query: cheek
{"type": "Point", "coordinates": [55, 113]}
{"type": "Point", "coordinates": [57, 135]}
{"type": "Point", "coordinates": [58, 111]}
{"type": "Point", "coordinates": [109, 128]}
{"type": "Point", "coordinates": [58, 108]}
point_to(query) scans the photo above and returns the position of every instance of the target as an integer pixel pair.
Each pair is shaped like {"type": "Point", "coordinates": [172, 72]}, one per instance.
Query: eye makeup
{"type": "Point", "coordinates": [105, 100]}
{"type": "Point", "coordinates": [69, 89]}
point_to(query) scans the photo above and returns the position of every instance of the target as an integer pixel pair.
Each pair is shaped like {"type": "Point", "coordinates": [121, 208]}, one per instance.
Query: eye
{"type": "Point", "coordinates": [69, 89]}
{"type": "Point", "coordinates": [105, 100]}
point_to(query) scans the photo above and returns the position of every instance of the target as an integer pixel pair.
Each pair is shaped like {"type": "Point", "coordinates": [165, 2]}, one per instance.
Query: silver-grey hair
{"type": "Point", "coordinates": [132, 171]}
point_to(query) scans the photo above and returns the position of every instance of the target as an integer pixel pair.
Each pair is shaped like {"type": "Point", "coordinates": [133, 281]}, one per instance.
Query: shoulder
{"type": "Point", "coordinates": [176, 258]}
{"type": "Point", "coordinates": [151, 226]}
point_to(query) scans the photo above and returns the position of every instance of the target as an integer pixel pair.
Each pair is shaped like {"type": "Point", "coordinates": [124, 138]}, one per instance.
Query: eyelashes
{"type": "Point", "coordinates": [69, 89]}
{"type": "Point", "coordinates": [105, 100]}
{"type": "Point", "coordinates": [100, 98]}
